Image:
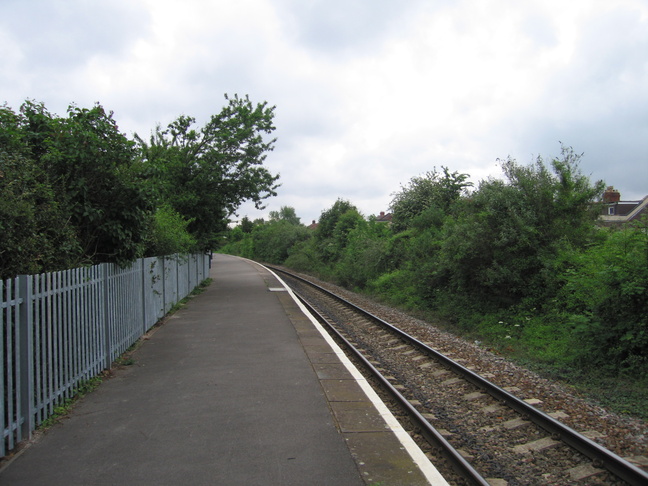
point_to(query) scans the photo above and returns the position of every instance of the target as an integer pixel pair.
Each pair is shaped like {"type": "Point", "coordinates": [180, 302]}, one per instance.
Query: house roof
{"type": "Point", "coordinates": [621, 212]}
{"type": "Point", "coordinates": [382, 217]}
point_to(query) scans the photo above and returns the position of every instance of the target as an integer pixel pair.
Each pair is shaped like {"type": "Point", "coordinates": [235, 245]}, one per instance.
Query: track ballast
{"type": "Point", "coordinates": [494, 433]}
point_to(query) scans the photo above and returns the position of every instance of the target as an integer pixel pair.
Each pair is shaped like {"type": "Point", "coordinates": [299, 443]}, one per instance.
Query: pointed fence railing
{"type": "Point", "coordinates": [60, 329]}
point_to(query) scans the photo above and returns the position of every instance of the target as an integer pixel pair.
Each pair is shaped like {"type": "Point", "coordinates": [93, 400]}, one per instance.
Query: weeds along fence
{"type": "Point", "coordinates": [60, 329]}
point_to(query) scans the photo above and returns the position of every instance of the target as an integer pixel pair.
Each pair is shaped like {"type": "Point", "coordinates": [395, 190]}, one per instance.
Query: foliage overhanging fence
{"type": "Point", "coordinates": [60, 329]}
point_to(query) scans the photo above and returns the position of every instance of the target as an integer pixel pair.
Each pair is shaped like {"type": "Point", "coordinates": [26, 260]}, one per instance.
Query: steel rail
{"type": "Point", "coordinates": [601, 457]}
{"type": "Point", "coordinates": [432, 435]}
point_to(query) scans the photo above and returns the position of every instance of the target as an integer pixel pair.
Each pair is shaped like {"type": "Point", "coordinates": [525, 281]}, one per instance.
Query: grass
{"type": "Point", "coordinates": [545, 345]}
{"type": "Point", "coordinates": [64, 408]}
{"type": "Point", "coordinates": [624, 395]}
{"type": "Point", "coordinates": [548, 350]}
{"type": "Point", "coordinates": [200, 288]}
{"type": "Point", "coordinates": [126, 358]}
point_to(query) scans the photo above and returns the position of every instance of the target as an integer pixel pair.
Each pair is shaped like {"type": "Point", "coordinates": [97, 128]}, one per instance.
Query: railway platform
{"type": "Point", "coordinates": [239, 387]}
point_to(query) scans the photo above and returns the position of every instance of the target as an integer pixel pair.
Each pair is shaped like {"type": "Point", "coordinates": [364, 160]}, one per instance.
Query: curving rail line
{"type": "Point", "coordinates": [430, 433]}
{"type": "Point", "coordinates": [601, 456]}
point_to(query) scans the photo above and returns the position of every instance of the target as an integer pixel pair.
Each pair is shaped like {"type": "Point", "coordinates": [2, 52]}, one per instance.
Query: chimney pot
{"type": "Point", "coordinates": [611, 195]}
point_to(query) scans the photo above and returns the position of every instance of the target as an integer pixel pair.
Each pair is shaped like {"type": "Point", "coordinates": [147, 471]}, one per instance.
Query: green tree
{"type": "Point", "coordinates": [35, 232]}
{"type": "Point", "coordinates": [206, 174]}
{"type": "Point", "coordinates": [169, 233]}
{"type": "Point", "coordinates": [503, 247]}
{"type": "Point", "coordinates": [285, 213]}
{"type": "Point", "coordinates": [274, 240]}
{"type": "Point", "coordinates": [330, 217]}
{"type": "Point", "coordinates": [365, 255]}
{"type": "Point", "coordinates": [246, 225]}
{"type": "Point", "coordinates": [420, 212]}
{"type": "Point", "coordinates": [68, 189]}
{"type": "Point", "coordinates": [89, 165]}
{"type": "Point", "coordinates": [332, 231]}
{"type": "Point", "coordinates": [304, 256]}
{"type": "Point", "coordinates": [238, 242]}
{"type": "Point", "coordinates": [433, 193]}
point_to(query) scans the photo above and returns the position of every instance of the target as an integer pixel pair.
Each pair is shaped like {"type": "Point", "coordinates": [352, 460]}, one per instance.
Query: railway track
{"type": "Point", "coordinates": [484, 432]}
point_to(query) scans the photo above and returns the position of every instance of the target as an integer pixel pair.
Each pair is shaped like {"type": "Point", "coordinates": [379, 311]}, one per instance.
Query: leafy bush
{"type": "Point", "coordinates": [396, 288]}
{"type": "Point", "coordinates": [89, 161]}
{"type": "Point", "coordinates": [303, 257]}
{"type": "Point", "coordinates": [432, 191]}
{"type": "Point", "coordinates": [35, 234]}
{"type": "Point", "coordinates": [273, 240]}
{"type": "Point", "coordinates": [169, 233]}
{"type": "Point", "coordinates": [606, 292]}
{"type": "Point", "coordinates": [365, 255]}
{"type": "Point", "coordinates": [502, 247]}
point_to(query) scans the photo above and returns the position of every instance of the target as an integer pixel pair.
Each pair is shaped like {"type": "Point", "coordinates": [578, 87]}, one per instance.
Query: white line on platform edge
{"type": "Point", "coordinates": [427, 468]}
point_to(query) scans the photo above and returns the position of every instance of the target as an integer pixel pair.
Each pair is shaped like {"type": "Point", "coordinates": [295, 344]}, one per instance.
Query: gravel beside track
{"type": "Point", "coordinates": [625, 436]}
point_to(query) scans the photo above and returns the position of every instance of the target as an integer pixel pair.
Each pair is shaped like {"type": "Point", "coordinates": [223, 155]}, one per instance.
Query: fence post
{"type": "Point", "coordinates": [189, 288]}
{"type": "Point", "coordinates": [143, 296]}
{"type": "Point", "coordinates": [177, 279]}
{"type": "Point", "coordinates": [25, 340]}
{"type": "Point", "coordinates": [163, 285]}
{"type": "Point", "coordinates": [106, 314]}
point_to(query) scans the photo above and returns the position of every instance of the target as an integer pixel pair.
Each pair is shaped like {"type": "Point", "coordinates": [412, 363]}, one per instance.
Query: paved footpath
{"type": "Point", "coordinates": [223, 393]}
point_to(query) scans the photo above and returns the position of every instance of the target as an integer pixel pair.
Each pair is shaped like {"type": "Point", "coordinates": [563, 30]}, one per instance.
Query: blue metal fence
{"type": "Point", "coordinates": [62, 328]}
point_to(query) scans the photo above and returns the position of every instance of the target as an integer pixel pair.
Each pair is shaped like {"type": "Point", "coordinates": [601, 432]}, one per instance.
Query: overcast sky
{"type": "Point", "coordinates": [369, 93]}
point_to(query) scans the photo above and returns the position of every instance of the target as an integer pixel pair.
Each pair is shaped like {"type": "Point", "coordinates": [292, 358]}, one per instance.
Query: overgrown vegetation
{"type": "Point", "coordinates": [520, 264]}
{"type": "Point", "coordinates": [75, 191]}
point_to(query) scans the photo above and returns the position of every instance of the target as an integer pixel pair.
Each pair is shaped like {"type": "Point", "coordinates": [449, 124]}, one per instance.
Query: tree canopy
{"type": "Point", "coordinates": [206, 174]}
{"type": "Point", "coordinates": [432, 191]}
{"type": "Point", "coordinates": [75, 190]}
{"type": "Point", "coordinates": [84, 163]}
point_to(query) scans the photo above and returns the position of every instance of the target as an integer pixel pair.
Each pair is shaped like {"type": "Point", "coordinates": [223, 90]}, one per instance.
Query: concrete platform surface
{"type": "Point", "coordinates": [236, 388]}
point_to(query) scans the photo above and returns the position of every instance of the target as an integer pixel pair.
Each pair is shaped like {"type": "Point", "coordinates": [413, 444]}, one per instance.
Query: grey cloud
{"type": "Point", "coordinates": [332, 26]}
{"type": "Point", "coordinates": [595, 104]}
{"type": "Point", "coordinates": [67, 33]}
